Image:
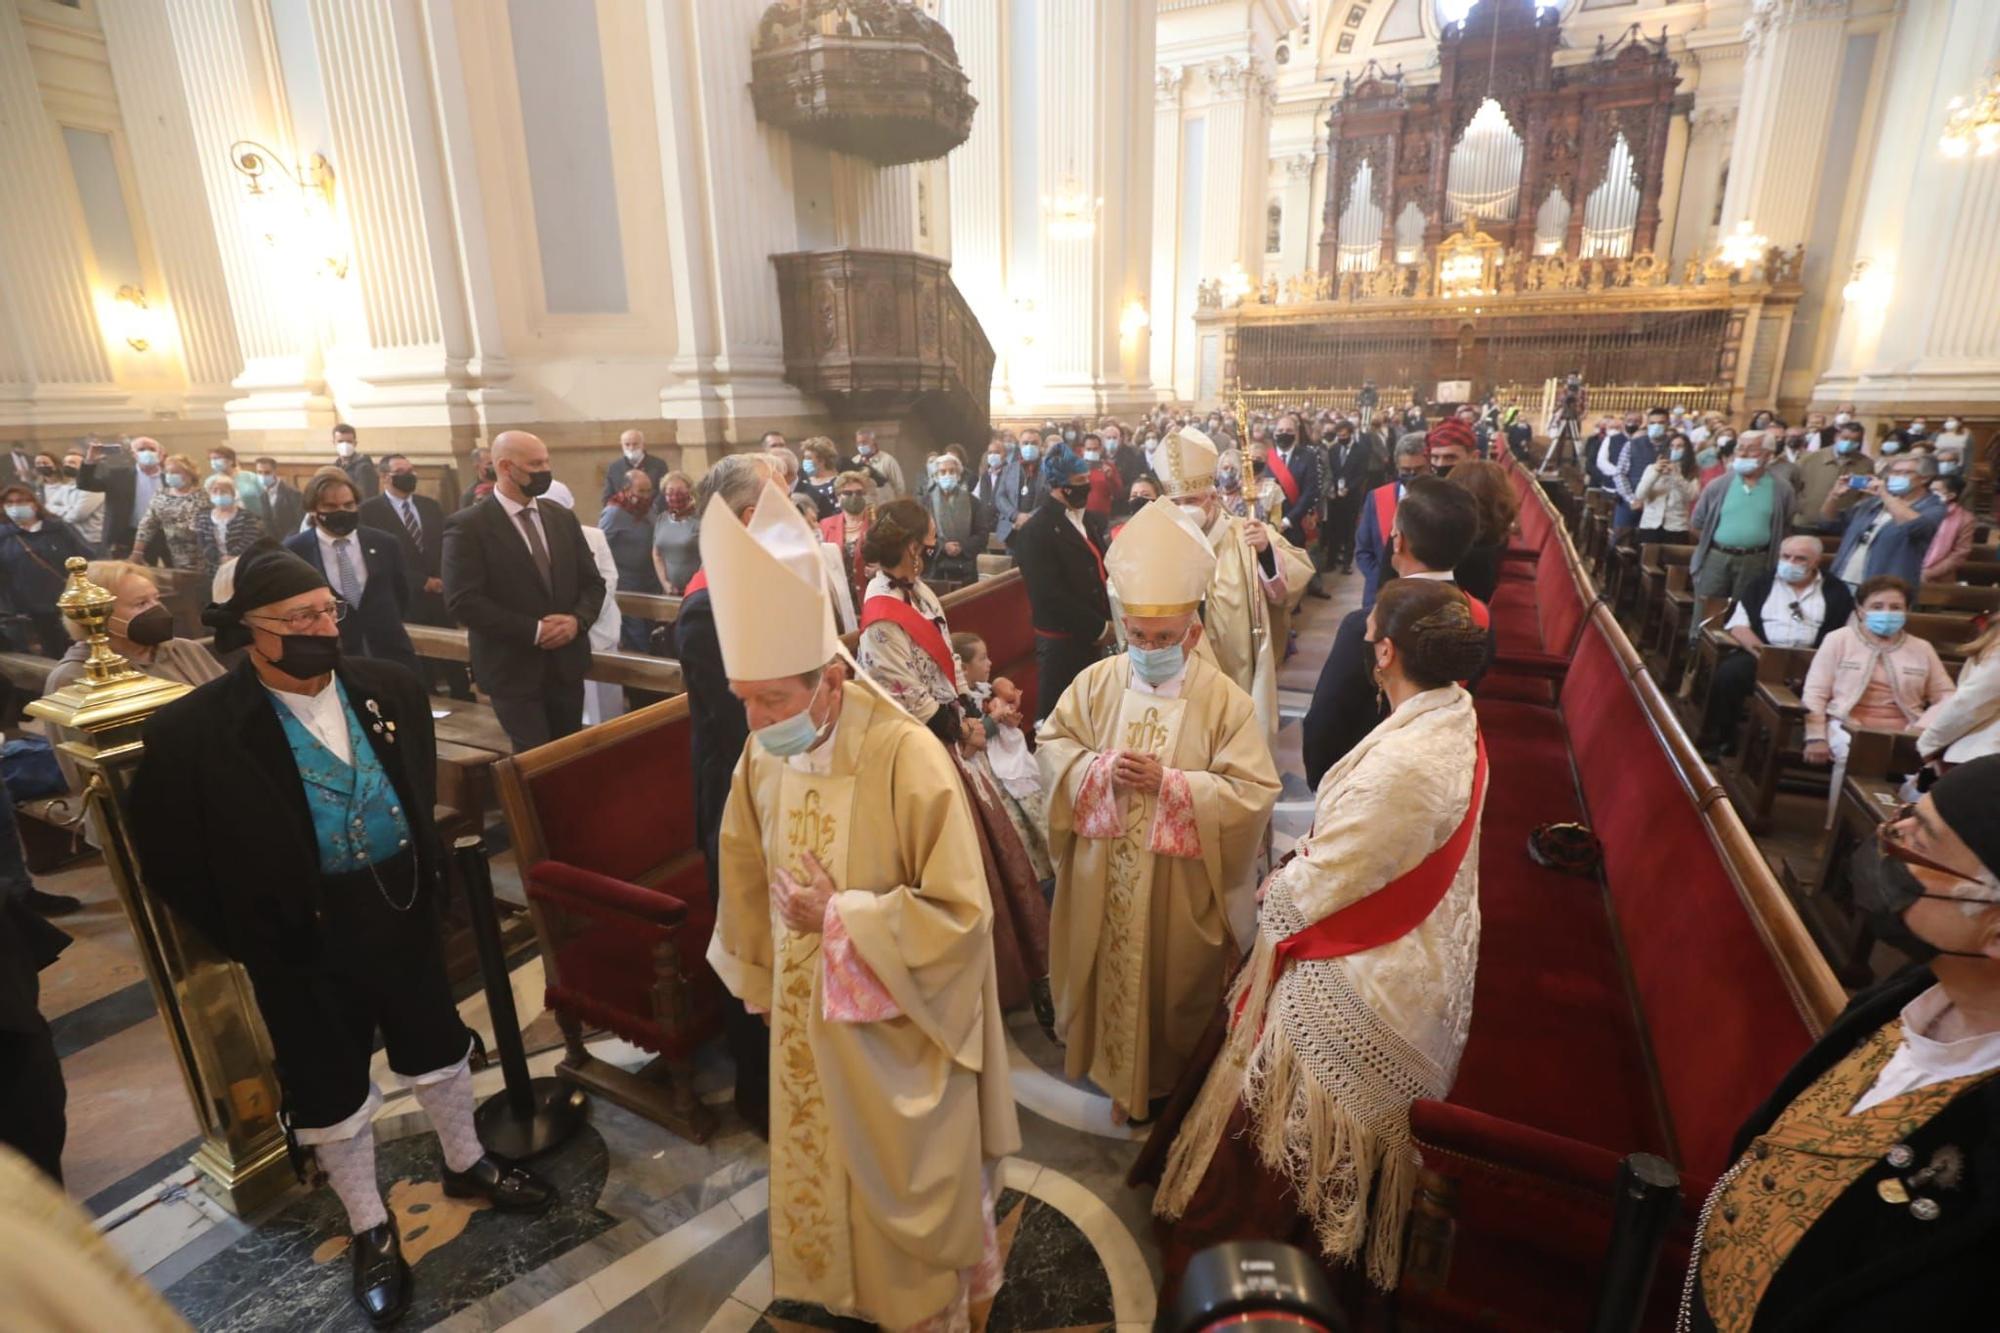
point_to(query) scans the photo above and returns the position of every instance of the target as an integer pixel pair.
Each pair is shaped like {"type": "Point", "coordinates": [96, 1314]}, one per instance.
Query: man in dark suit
{"type": "Point", "coordinates": [284, 812]}
{"type": "Point", "coordinates": [288, 507]}
{"type": "Point", "coordinates": [364, 566]}
{"type": "Point", "coordinates": [1434, 527]}
{"type": "Point", "coordinates": [1351, 469]}
{"type": "Point", "coordinates": [1378, 514]}
{"type": "Point", "coordinates": [1294, 464]}
{"type": "Point", "coordinates": [718, 732]}
{"type": "Point", "coordinates": [1060, 552]}
{"type": "Point", "coordinates": [631, 454]}
{"type": "Point", "coordinates": [347, 456]}
{"type": "Point", "coordinates": [127, 490]}
{"type": "Point", "coordinates": [417, 523]}
{"type": "Point", "coordinates": [519, 576]}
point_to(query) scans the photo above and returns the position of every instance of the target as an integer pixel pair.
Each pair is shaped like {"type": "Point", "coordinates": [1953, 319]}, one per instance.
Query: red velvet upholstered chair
{"type": "Point", "coordinates": [996, 609]}
{"type": "Point", "coordinates": [603, 826]}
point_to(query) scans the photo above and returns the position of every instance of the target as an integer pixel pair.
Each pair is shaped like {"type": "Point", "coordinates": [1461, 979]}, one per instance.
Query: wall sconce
{"type": "Point", "coordinates": [1133, 318]}
{"type": "Point", "coordinates": [1868, 287]}
{"type": "Point", "coordinates": [315, 230]}
{"type": "Point", "coordinates": [133, 317]}
{"type": "Point", "coordinates": [1742, 247]}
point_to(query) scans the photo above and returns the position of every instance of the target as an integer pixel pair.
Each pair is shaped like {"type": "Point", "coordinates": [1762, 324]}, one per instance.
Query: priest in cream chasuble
{"type": "Point", "coordinates": [853, 912]}
{"type": "Point", "coordinates": [1256, 569]}
{"type": "Point", "coordinates": [1161, 785]}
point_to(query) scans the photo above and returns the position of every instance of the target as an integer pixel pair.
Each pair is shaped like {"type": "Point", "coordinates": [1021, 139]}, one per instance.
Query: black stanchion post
{"type": "Point", "coordinates": [530, 1115]}
{"type": "Point", "coordinates": [1649, 1192]}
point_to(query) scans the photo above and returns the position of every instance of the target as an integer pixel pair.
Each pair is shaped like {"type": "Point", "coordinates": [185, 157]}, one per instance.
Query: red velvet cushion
{"type": "Point", "coordinates": [621, 810]}
{"type": "Point", "coordinates": [998, 613]}
{"type": "Point", "coordinates": [1722, 1023]}
{"type": "Point", "coordinates": [554, 881]}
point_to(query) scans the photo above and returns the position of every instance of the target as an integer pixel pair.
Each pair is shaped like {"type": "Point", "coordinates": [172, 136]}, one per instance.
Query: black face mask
{"type": "Point", "coordinates": [1328, 436]}
{"type": "Point", "coordinates": [1884, 889]}
{"type": "Point", "coordinates": [1286, 438]}
{"type": "Point", "coordinates": [1442, 469]}
{"type": "Point", "coordinates": [537, 483]}
{"type": "Point", "coordinates": [406, 482]}
{"type": "Point", "coordinates": [304, 656]}
{"type": "Point", "coordinates": [338, 522]}
{"type": "Point", "coordinates": [1077, 495]}
{"type": "Point", "coordinates": [1405, 478]}
{"type": "Point", "coordinates": [150, 628]}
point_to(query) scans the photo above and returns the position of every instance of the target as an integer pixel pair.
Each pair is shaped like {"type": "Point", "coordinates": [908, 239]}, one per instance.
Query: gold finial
{"type": "Point", "coordinates": [89, 606]}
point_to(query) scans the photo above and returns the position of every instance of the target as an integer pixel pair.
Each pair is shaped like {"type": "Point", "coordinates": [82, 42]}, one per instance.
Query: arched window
{"type": "Point", "coordinates": [1484, 178]}
{"type": "Point", "coordinates": [1274, 227]}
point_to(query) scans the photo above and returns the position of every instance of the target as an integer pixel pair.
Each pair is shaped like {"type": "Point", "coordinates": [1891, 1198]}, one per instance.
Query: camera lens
{"type": "Point", "coordinates": [1253, 1286]}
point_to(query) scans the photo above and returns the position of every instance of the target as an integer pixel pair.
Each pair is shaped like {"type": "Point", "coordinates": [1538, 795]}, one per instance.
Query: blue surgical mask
{"type": "Point", "coordinates": [1745, 466]}
{"type": "Point", "coordinates": [1898, 484]}
{"type": "Point", "coordinates": [1947, 466]}
{"type": "Point", "coordinates": [1707, 457]}
{"type": "Point", "coordinates": [1892, 446]}
{"type": "Point", "coordinates": [218, 466]}
{"type": "Point", "coordinates": [222, 499]}
{"type": "Point", "coordinates": [1093, 455]}
{"type": "Point", "coordinates": [146, 457]}
{"type": "Point", "coordinates": [795, 735]}
{"type": "Point", "coordinates": [808, 467]}
{"type": "Point", "coordinates": [1029, 453]}
{"type": "Point", "coordinates": [1655, 431]}
{"type": "Point", "coordinates": [21, 513]}
{"type": "Point", "coordinates": [1884, 624]}
{"type": "Point", "coordinates": [1847, 446]}
{"type": "Point", "coordinates": [1794, 571]}
{"type": "Point", "coordinates": [1157, 666]}
{"type": "Point", "coordinates": [1676, 454]}
{"type": "Point", "coordinates": [948, 481]}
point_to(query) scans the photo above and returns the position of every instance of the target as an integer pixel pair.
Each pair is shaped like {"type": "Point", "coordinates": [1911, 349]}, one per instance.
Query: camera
{"type": "Point", "coordinates": [1253, 1286]}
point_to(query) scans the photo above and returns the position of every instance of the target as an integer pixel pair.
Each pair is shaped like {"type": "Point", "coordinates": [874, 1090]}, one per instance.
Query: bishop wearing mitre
{"type": "Point", "coordinates": [1160, 785]}
{"type": "Point", "coordinates": [853, 914]}
{"type": "Point", "coordinates": [1256, 569]}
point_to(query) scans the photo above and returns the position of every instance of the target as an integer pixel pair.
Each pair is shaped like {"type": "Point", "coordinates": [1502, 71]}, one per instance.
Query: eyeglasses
{"type": "Point", "coordinates": [1893, 845]}
{"type": "Point", "coordinates": [303, 620]}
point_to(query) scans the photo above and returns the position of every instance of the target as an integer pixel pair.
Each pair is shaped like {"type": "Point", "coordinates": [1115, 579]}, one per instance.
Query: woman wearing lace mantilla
{"type": "Point", "coordinates": [1358, 994]}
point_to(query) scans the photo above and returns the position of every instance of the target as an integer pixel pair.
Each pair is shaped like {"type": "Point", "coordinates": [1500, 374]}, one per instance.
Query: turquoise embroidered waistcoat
{"type": "Point", "coordinates": [357, 814]}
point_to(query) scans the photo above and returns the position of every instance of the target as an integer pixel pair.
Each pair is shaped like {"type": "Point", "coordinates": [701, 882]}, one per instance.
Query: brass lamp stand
{"type": "Point", "coordinates": [205, 1000]}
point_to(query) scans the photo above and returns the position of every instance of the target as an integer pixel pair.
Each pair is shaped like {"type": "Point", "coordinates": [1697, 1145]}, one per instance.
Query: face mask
{"type": "Point", "coordinates": [405, 482]}
{"type": "Point", "coordinates": [1443, 469]}
{"type": "Point", "coordinates": [796, 734]}
{"type": "Point", "coordinates": [1229, 479]}
{"type": "Point", "coordinates": [1093, 455]}
{"type": "Point", "coordinates": [864, 450]}
{"type": "Point", "coordinates": [1841, 418]}
{"type": "Point", "coordinates": [344, 448]}
{"type": "Point", "coordinates": [1897, 485]}
{"type": "Point", "coordinates": [947, 482]}
{"type": "Point", "coordinates": [1141, 500]}
{"type": "Point", "coordinates": [1793, 571]}
{"type": "Point", "coordinates": [179, 481]}
{"type": "Point", "coordinates": [994, 461]}
{"type": "Point", "coordinates": [1884, 889]}
{"type": "Point", "coordinates": [930, 470]}
{"type": "Point", "coordinates": [1631, 428]}
{"type": "Point", "coordinates": [149, 629]}
{"type": "Point", "coordinates": [1111, 444]}
{"type": "Point", "coordinates": [1892, 446]}
{"type": "Point", "coordinates": [537, 483]}
{"type": "Point", "coordinates": [338, 522]}
{"type": "Point", "coordinates": [853, 504]}
{"type": "Point", "coordinates": [1078, 494]}
{"type": "Point", "coordinates": [632, 454]}
{"type": "Point", "coordinates": [222, 499]}
{"type": "Point", "coordinates": [1285, 438]}
{"type": "Point", "coordinates": [1707, 457]}
{"type": "Point", "coordinates": [1947, 466]}
{"type": "Point", "coordinates": [1029, 453]}
{"type": "Point", "coordinates": [678, 504]}
{"type": "Point", "coordinates": [1951, 427]}
{"type": "Point", "coordinates": [22, 514]}
{"type": "Point", "coordinates": [1405, 478]}
{"type": "Point", "coordinates": [1916, 428]}
{"type": "Point", "coordinates": [807, 467]}
{"type": "Point", "coordinates": [1655, 431]}
{"type": "Point", "coordinates": [307, 655]}
{"type": "Point", "coordinates": [1884, 624]}
{"type": "Point", "coordinates": [46, 469]}
{"type": "Point", "coordinates": [1069, 437]}
{"type": "Point", "coordinates": [69, 469]}
{"type": "Point", "coordinates": [218, 466]}
{"type": "Point", "coordinates": [267, 483]}
{"type": "Point", "coordinates": [1847, 448]}
{"type": "Point", "coordinates": [1676, 454]}
{"type": "Point", "coordinates": [1745, 466]}
{"type": "Point", "coordinates": [147, 458]}
{"type": "Point", "coordinates": [1156, 666]}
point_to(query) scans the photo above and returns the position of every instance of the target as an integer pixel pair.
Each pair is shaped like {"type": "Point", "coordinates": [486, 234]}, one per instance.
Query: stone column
{"type": "Point", "coordinates": [1789, 85]}
{"type": "Point", "coordinates": [978, 196]}
{"type": "Point", "coordinates": [727, 180]}
{"type": "Point", "coordinates": [53, 365]}
{"type": "Point", "coordinates": [220, 51]}
{"type": "Point", "coordinates": [154, 103]}
{"type": "Point", "coordinates": [1710, 131]}
{"type": "Point", "coordinates": [1921, 326]}
{"type": "Point", "coordinates": [1171, 324]}
{"type": "Point", "coordinates": [1232, 224]}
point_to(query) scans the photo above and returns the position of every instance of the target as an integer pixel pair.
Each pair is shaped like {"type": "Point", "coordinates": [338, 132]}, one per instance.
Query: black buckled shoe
{"type": "Point", "coordinates": [510, 1189]}
{"type": "Point", "coordinates": [381, 1276]}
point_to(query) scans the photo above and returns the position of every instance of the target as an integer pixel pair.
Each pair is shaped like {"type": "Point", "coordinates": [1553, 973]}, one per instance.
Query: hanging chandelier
{"type": "Point", "coordinates": [1742, 247]}
{"type": "Point", "coordinates": [1973, 125]}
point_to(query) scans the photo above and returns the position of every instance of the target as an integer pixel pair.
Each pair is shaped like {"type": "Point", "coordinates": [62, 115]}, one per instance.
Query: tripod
{"type": "Point", "coordinates": [1567, 433]}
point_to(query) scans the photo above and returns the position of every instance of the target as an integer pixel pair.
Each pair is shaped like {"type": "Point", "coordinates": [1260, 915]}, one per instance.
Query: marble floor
{"type": "Point", "coordinates": [652, 1232]}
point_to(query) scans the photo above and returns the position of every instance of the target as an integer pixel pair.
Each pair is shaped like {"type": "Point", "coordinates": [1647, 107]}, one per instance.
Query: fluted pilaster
{"type": "Point", "coordinates": [1170, 323]}
{"type": "Point", "coordinates": [44, 286]}
{"type": "Point", "coordinates": [888, 199]}
{"type": "Point", "coordinates": [154, 103]}
{"type": "Point", "coordinates": [978, 194]}
{"type": "Point", "coordinates": [1790, 80]}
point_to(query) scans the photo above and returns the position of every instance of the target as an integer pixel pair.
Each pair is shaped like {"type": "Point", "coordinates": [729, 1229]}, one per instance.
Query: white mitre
{"type": "Point", "coordinates": [1160, 563]}
{"type": "Point", "coordinates": [1185, 463]}
{"type": "Point", "coordinates": [767, 584]}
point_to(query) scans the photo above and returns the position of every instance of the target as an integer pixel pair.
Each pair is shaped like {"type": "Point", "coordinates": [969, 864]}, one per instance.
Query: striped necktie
{"type": "Point", "coordinates": [343, 571]}
{"type": "Point", "coordinates": [409, 512]}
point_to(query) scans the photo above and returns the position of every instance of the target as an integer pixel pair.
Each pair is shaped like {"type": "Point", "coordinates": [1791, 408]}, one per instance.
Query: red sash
{"type": "Point", "coordinates": [1398, 907]}
{"type": "Point", "coordinates": [1385, 510]}
{"type": "Point", "coordinates": [1283, 475]}
{"type": "Point", "coordinates": [920, 627]}
{"type": "Point", "coordinates": [696, 584]}
{"type": "Point", "coordinates": [1481, 615]}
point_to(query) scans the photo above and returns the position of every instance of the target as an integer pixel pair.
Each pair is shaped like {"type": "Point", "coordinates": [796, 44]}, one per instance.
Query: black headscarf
{"type": "Point", "coordinates": [1968, 801]}
{"type": "Point", "coordinates": [265, 573]}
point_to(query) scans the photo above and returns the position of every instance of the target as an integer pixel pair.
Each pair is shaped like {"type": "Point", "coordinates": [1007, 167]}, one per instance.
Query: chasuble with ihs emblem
{"type": "Point", "coordinates": [1154, 892]}
{"type": "Point", "coordinates": [882, 1115]}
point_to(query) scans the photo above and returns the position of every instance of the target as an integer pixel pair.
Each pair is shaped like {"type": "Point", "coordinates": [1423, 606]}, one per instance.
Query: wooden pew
{"type": "Point", "coordinates": [1669, 648]}
{"type": "Point", "coordinates": [1654, 562]}
{"type": "Point", "coordinates": [1957, 597]}
{"type": "Point", "coordinates": [659, 674]}
{"type": "Point", "coordinates": [1870, 794]}
{"type": "Point", "coordinates": [1771, 733]}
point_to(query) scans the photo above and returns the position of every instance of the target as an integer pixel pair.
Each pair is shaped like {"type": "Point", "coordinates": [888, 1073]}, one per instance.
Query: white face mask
{"type": "Point", "coordinates": [344, 448]}
{"type": "Point", "coordinates": [633, 453]}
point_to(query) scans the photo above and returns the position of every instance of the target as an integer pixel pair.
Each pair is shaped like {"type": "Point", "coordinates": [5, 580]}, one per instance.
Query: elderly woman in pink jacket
{"type": "Point", "coordinates": [1870, 675]}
